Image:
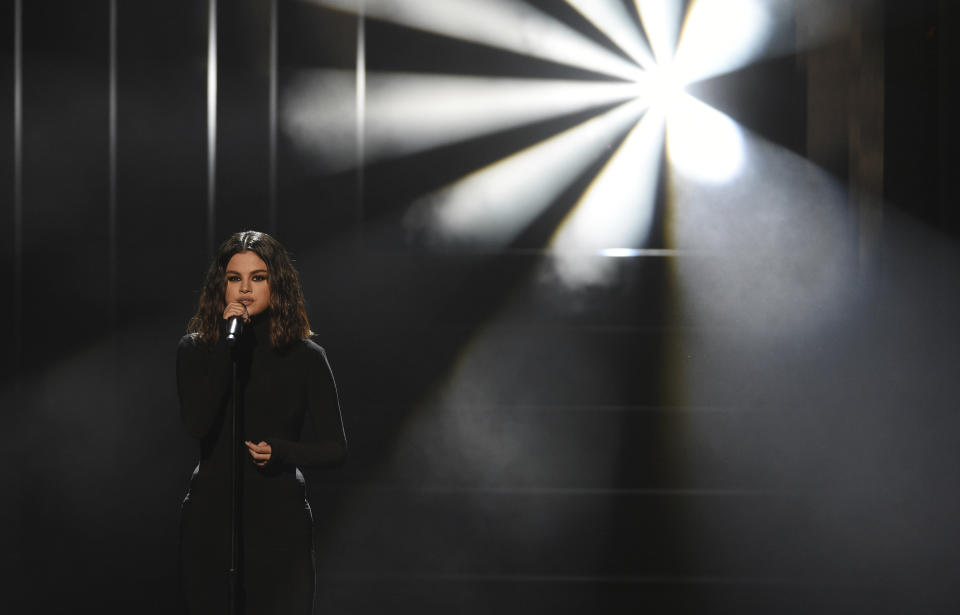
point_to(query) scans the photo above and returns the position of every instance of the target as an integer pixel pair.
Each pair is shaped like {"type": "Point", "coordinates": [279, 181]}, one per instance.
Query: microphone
{"type": "Point", "coordinates": [234, 330]}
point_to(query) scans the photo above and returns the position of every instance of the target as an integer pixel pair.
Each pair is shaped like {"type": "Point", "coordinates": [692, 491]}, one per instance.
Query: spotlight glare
{"type": "Point", "coordinates": [611, 18]}
{"type": "Point", "coordinates": [621, 252]}
{"type": "Point", "coordinates": [406, 113]}
{"type": "Point", "coordinates": [782, 263]}
{"type": "Point", "coordinates": [505, 24]}
{"type": "Point", "coordinates": [661, 22]}
{"type": "Point", "coordinates": [702, 143]}
{"type": "Point", "coordinates": [719, 37]}
{"type": "Point", "coordinates": [616, 209]}
{"type": "Point", "coordinates": [664, 87]}
{"type": "Point", "coordinates": [491, 206]}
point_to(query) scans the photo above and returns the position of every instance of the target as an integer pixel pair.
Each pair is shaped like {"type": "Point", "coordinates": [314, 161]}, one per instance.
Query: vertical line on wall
{"type": "Point", "coordinates": [112, 294]}
{"type": "Point", "coordinates": [361, 114]}
{"type": "Point", "coordinates": [211, 124]}
{"type": "Point", "coordinates": [18, 183]}
{"type": "Point", "coordinates": [273, 117]}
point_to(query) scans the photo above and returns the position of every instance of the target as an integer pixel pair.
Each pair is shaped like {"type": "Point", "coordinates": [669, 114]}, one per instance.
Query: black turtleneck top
{"type": "Point", "coordinates": [288, 398]}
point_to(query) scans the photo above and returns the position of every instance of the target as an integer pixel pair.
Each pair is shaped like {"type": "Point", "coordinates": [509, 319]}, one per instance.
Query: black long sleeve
{"type": "Point", "coordinates": [203, 383]}
{"type": "Point", "coordinates": [323, 441]}
{"type": "Point", "coordinates": [288, 397]}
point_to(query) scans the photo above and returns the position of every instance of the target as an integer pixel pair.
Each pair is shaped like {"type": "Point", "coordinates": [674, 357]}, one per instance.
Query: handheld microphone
{"type": "Point", "coordinates": [234, 329]}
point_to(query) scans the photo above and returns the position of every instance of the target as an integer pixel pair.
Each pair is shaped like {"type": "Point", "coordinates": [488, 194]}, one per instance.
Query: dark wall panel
{"type": "Point", "coordinates": [243, 139]}
{"type": "Point", "coordinates": [66, 272]}
{"type": "Point", "coordinates": [161, 151]}
{"type": "Point", "coordinates": [65, 172]}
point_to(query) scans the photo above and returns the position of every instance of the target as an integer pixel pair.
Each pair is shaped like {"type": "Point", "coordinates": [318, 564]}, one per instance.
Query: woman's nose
{"type": "Point", "coordinates": [245, 286]}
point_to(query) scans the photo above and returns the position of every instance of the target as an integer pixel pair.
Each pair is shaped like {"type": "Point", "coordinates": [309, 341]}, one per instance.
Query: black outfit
{"type": "Point", "coordinates": [288, 398]}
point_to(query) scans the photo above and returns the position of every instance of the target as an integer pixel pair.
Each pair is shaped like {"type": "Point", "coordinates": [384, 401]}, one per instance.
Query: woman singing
{"type": "Point", "coordinates": [289, 417]}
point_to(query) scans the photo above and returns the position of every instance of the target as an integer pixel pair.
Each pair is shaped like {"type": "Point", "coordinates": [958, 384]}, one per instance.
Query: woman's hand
{"type": "Point", "coordinates": [236, 309]}
{"type": "Point", "coordinates": [260, 452]}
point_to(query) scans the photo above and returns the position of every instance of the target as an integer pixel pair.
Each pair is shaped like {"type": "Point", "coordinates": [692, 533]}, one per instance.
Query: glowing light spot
{"type": "Point", "coordinates": [616, 209]}
{"type": "Point", "coordinates": [505, 24]}
{"type": "Point", "coordinates": [702, 143]}
{"type": "Point", "coordinates": [661, 22]}
{"type": "Point", "coordinates": [621, 252]}
{"type": "Point", "coordinates": [611, 18]}
{"type": "Point", "coordinates": [720, 36]}
{"type": "Point", "coordinates": [406, 112]}
{"type": "Point", "coordinates": [491, 206]}
{"type": "Point", "coordinates": [664, 87]}
{"type": "Point", "coordinates": [635, 252]}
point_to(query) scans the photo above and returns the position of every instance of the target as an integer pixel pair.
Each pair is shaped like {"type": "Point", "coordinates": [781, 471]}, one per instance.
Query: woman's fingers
{"type": "Point", "coordinates": [260, 447]}
{"type": "Point", "coordinates": [236, 309]}
{"type": "Point", "coordinates": [260, 451]}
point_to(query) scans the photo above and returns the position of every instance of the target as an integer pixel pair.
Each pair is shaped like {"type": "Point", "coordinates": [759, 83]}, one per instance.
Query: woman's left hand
{"type": "Point", "coordinates": [260, 452]}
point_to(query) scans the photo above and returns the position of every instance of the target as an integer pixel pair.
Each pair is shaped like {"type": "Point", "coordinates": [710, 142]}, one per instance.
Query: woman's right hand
{"type": "Point", "coordinates": [236, 309]}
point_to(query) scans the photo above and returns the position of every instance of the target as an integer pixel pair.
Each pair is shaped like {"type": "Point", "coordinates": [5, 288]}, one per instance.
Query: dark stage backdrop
{"type": "Point", "coordinates": [754, 414]}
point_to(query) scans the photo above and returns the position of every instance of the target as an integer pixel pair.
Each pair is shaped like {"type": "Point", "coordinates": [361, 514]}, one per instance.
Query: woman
{"type": "Point", "coordinates": [289, 417]}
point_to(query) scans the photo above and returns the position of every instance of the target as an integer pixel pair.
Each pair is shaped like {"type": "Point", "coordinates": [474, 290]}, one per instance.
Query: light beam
{"type": "Point", "coordinates": [611, 18]}
{"type": "Point", "coordinates": [703, 143]}
{"type": "Point", "coordinates": [504, 24]}
{"type": "Point", "coordinates": [615, 211]}
{"type": "Point", "coordinates": [490, 207]}
{"type": "Point", "coordinates": [661, 22]}
{"type": "Point", "coordinates": [407, 113]}
{"type": "Point", "coordinates": [719, 37]}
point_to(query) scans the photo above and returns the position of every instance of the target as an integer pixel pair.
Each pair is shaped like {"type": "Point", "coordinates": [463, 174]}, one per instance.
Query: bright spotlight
{"type": "Point", "coordinates": [702, 143]}
{"type": "Point", "coordinates": [406, 112]}
{"type": "Point", "coordinates": [504, 24]}
{"type": "Point", "coordinates": [621, 252]}
{"type": "Point", "coordinates": [661, 22]}
{"type": "Point", "coordinates": [491, 206]}
{"type": "Point", "coordinates": [616, 210]}
{"type": "Point", "coordinates": [664, 86]}
{"type": "Point", "coordinates": [611, 18]}
{"type": "Point", "coordinates": [719, 37]}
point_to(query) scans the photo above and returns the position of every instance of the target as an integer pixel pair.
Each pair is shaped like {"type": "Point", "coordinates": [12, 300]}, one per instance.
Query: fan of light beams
{"type": "Point", "coordinates": [346, 118]}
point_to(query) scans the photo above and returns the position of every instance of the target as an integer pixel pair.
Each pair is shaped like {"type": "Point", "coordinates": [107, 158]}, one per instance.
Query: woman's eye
{"type": "Point", "coordinates": [233, 278]}
{"type": "Point", "coordinates": [259, 278]}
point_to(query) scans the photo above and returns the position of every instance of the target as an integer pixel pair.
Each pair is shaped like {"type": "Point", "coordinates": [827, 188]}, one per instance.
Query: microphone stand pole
{"type": "Point", "coordinates": [233, 576]}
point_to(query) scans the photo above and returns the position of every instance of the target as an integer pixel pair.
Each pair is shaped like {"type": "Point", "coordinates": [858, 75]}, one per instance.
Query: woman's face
{"type": "Point", "coordinates": [247, 282]}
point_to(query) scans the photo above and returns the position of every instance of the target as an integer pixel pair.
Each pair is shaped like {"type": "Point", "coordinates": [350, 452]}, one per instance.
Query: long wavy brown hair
{"type": "Point", "coordinates": [288, 314]}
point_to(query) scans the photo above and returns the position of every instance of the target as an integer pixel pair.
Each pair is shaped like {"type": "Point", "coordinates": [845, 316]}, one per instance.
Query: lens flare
{"type": "Point", "coordinates": [719, 37]}
{"type": "Point", "coordinates": [406, 113]}
{"type": "Point", "coordinates": [611, 18]}
{"type": "Point", "coordinates": [504, 24]}
{"type": "Point", "coordinates": [489, 207]}
{"type": "Point", "coordinates": [663, 50]}
{"type": "Point", "coordinates": [616, 210]}
{"type": "Point", "coordinates": [702, 143]}
{"type": "Point", "coordinates": [661, 21]}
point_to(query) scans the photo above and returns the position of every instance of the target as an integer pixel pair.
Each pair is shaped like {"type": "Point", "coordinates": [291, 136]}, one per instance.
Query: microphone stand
{"type": "Point", "coordinates": [233, 575]}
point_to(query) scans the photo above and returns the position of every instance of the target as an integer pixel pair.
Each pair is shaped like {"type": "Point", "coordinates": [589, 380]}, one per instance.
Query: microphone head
{"type": "Point", "coordinates": [234, 329]}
